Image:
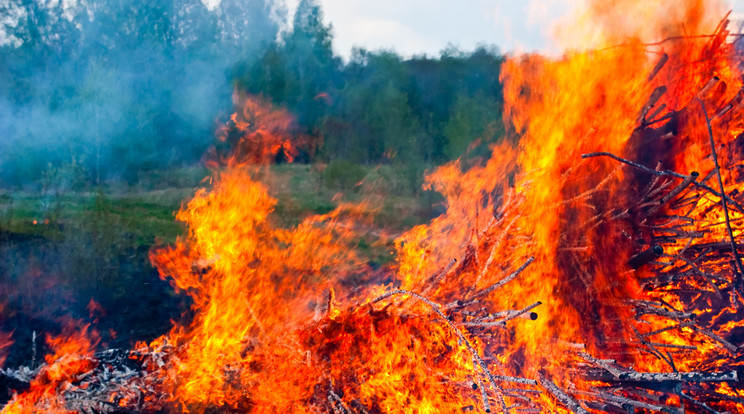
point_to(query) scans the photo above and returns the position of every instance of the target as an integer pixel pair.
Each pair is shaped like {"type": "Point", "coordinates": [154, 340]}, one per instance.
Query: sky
{"type": "Point", "coordinates": [415, 27]}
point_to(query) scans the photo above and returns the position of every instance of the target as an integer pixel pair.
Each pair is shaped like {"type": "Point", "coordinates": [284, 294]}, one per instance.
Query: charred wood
{"type": "Point", "coordinates": [645, 256]}
{"type": "Point", "coordinates": [659, 65]}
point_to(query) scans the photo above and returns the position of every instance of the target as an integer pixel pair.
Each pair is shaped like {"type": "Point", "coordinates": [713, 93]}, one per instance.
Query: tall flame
{"type": "Point", "coordinates": [563, 209]}
{"type": "Point", "coordinates": [263, 294]}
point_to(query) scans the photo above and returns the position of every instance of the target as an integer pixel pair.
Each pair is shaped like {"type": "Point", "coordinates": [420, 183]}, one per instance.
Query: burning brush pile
{"type": "Point", "coordinates": [595, 267]}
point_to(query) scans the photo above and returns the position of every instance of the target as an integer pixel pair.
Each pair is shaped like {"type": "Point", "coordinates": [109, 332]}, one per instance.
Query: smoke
{"type": "Point", "coordinates": [119, 87]}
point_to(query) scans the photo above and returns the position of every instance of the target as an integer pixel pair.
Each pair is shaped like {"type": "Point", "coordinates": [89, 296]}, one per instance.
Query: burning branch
{"type": "Point", "coordinates": [663, 173]}
{"type": "Point", "coordinates": [478, 361]}
{"type": "Point", "coordinates": [737, 260]}
{"type": "Point", "coordinates": [559, 395]}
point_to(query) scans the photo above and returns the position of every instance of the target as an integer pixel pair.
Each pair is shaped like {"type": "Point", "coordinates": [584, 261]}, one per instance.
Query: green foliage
{"type": "Point", "coordinates": [343, 175]}
{"type": "Point", "coordinates": [471, 121]}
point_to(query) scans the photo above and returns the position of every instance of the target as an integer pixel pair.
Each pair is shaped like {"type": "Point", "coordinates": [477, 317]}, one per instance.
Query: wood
{"type": "Point", "coordinates": [645, 256]}
{"type": "Point", "coordinates": [737, 259]}
{"type": "Point", "coordinates": [559, 395]}
{"type": "Point", "coordinates": [659, 65]}
{"type": "Point", "coordinates": [668, 377]}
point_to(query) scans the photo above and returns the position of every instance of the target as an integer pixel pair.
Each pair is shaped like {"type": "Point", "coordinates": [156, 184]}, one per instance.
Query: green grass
{"type": "Point", "coordinates": [146, 213]}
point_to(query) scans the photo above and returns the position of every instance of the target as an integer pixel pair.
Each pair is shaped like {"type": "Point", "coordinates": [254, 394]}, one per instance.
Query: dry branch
{"type": "Point", "coordinates": [665, 173]}
{"type": "Point", "coordinates": [560, 395]}
{"type": "Point", "coordinates": [737, 259]}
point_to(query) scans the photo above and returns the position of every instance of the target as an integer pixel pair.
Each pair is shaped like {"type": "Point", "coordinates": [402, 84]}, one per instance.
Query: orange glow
{"type": "Point", "coordinates": [5, 342]}
{"type": "Point", "coordinates": [257, 133]}
{"type": "Point", "coordinates": [72, 356]}
{"type": "Point", "coordinates": [275, 330]}
{"type": "Point", "coordinates": [253, 284]}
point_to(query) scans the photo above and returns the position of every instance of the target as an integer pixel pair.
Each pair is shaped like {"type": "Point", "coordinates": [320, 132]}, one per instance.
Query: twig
{"type": "Point", "coordinates": [663, 173]}
{"type": "Point", "coordinates": [728, 345]}
{"type": "Point", "coordinates": [737, 260]}
{"type": "Point", "coordinates": [659, 65]}
{"type": "Point", "coordinates": [521, 312]}
{"type": "Point", "coordinates": [668, 328]}
{"type": "Point", "coordinates": [484, 395]}
{"type": "Point", "coordinates": [698, 403]}
{"type": "Point", "coordinates": [623, 400]}
{"type": "Point", "coordinates": [337, 404]}
{"type": "Point", "coordinates": [503, 281]}
{"type": "Point", "coordinates": [604, 363]}
{"type": "Point", "coordinates": [560, 395]}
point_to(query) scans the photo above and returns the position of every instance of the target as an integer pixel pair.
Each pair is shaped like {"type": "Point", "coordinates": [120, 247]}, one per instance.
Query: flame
{"type": "Point", "coordinates": [280, 322]}
{"type": "Point", "coordinates": [257, 133]}
{"type": "Point", "coordinates": [5, 342]}
{"type": "Point", "coordinates": [274, 328]}
{"type": "Point", "coordinates": [72, 356]}
{"type": "Point", "coordinates": [252, 284]}
{"type": "Point", "coordinates": [567, 211]}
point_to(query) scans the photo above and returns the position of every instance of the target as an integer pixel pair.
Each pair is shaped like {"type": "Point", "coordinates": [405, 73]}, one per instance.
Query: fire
{"type": "Point", "coordinates": [275, 330]}
{"type": "Point", "coordinates": [597, 246]}
{"type": "Point", "coordinates": [71, 357]}
{"type": "Point", "coordinates": [257, 133]}
{"type": "Point", "coordinates": [5, 342]}
{"type": "Point", "coordinates": [568, 212]}
{"type": "Point", "coordinates": [252, 285]}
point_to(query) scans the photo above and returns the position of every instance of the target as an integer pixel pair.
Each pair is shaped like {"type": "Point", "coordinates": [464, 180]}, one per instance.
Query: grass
{"type": "Point", "coordinates": [145, 213]}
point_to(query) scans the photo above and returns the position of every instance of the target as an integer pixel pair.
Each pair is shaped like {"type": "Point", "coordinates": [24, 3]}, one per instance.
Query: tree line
{"type": "Point", "coordinates": [116, 89]}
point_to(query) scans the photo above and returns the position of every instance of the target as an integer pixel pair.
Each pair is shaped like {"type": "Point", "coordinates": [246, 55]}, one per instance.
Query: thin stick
{"type": "Point", "coordinates": [500, 283]}
{"type": "Point", "coordinates": [668, 328]}
{"type": "Point", "coordinates": [560, 395]}
{"type": "Point", "coordinates": [521, 312]}
{"type": "Point", "coordinates": [484, 395]}
{"type": "Point", "coordinates": [623, 400]}
{"type": "Point", "coordinates": [698, 403]}
{"type": "Point", "coordinates": [728, 345]}
{"type": "Point", "coordinates": [662, 173]}
{"type": "Point", "coordinates": [737, 260]}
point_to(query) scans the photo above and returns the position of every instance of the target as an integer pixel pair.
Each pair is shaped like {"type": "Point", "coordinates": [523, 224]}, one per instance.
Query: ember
{"type": "Point", "coordinates": [595, 267]}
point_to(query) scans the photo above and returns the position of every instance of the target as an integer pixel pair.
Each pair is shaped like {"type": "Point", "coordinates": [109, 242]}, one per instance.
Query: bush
{"type": "Point", "coordinates": [343, 175]}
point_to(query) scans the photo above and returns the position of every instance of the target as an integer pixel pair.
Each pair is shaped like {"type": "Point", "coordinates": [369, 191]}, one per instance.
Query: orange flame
{"type": "Point", "coordinates": [5, 342]}
{"type": "Point", "coordinates": [273, 324]}
{"type": "Point", "coordinates": [252, 285]}
{"type": "Point", "coordinates": [72, 356]}
{"type": "Point", "coordinates": [257, 133]}
{"type": "Point", "coordinates": [565, 210]}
